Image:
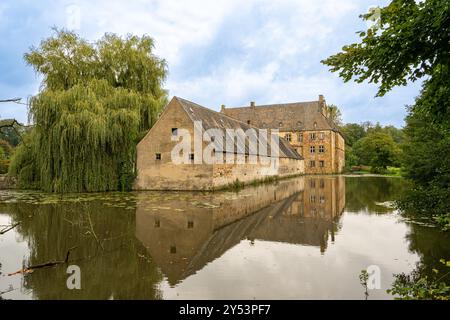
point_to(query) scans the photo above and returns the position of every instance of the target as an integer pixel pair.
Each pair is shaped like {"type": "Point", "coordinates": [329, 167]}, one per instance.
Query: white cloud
{"type": "Point", "coordinates": [173, 24]}
{"type": "Point", "coordinates": [231, 51]}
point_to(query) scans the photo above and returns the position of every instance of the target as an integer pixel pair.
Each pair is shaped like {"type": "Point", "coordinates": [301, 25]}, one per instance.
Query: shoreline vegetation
{"type": "Point", "coordinates": [409, 42]}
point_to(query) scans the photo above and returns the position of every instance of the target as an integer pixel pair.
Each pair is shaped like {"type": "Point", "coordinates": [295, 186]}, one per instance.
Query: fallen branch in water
{"type": "Point", "coordinates": [5, 230]}
{"type": "Point", "coordinates": [43, 265]}
{"type": "Point", "coordinates": [6, 291]}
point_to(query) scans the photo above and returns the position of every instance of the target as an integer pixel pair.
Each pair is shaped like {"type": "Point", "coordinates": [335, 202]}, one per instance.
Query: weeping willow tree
{"type": "Point", "coordinates": [96, 100]}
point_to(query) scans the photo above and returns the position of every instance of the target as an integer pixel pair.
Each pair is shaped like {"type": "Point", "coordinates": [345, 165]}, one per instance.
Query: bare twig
{"type": "Point", "coordinates": [8, 290]}
{"type": "Point", "coordinates": [11, 100]}
{"type": "Point", "coordinates": [44, 265]}
{"type": "Point", "coordinates": [93, 231]}
{"type": "Point", "coordinates": [5, 230]}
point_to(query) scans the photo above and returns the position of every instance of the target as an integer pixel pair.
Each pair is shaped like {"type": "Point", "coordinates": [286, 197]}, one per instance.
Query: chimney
{"type": "Point", "coordinates": [321, 98]}
{"type": "Point", "coordinates": [322, 105]}
{"type": "Point", "coordinates": [252, 104]}
{"type": "Point", "coordinates": [222, 108]}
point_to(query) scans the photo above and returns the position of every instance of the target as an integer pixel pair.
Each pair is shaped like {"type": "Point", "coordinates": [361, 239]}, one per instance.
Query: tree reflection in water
{"type": "Point", "coordinates": [129, 243]}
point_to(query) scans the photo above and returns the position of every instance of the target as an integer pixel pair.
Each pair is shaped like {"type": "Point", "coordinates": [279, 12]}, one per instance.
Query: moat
{"type": "Point", "coordinates": [302, 238]}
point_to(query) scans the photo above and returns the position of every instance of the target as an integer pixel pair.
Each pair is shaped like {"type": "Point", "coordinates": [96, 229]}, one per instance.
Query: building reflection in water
{"type": "Point", "coordinates": [185, 233]}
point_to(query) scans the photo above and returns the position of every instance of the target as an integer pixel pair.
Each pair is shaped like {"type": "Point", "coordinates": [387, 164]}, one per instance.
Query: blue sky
{"type": "Point", "coordinates": [218, 52]}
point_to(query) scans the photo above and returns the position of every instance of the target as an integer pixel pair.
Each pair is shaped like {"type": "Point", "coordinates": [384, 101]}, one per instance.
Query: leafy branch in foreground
{"type": "Point", "coordinates": [411, 41]}
{"type": "Point", "coordinates": [417, 287]}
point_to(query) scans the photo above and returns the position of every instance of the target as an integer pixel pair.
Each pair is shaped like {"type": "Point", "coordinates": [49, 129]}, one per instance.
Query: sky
{"type": "Point", "coordinates": [218, 52]}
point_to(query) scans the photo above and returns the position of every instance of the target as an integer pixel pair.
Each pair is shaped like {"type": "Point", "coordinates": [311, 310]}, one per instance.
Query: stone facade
{"type": "Point", "coordinates": [156, 170]}
{"type": "Point", "coordinates": [306, 125]}
{"type": "Point", "coordinates": [323, 150]}
{"type": "Point", "coordinates": [7, 182]}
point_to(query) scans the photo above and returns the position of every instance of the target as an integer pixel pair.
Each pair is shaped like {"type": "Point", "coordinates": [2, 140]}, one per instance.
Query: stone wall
{"type": "Point", "coordinates": [225, 174]}
{"type": "Point", "coordinates": [7, 182]}
{"type": "Point", "coordinates": [163, 174]}
{"type": "Point", "coordinates": [333, 156]}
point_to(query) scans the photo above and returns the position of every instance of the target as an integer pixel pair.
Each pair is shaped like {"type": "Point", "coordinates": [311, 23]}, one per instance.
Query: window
{"type": "Point", "coordinates": [173, 249]}
{"type": "Point", "coordinates": [190, 224]}
{"type": "Point", "coordinates": [312, 149]}
{"type": "Point", "coordinates": [322, 199]}
{"type": "Point", "coordinates": [157, 223]}
{"type": "Point", "coordinates": [315, 124]}
{"type": "Point", "coordinates": [280, 124]}
{"type": "Point", "coordinates": [288, 137]}
{"type": "Point", "coordinates": [248, 121]}
{"type": "Point", "coordinates": [312, 198]}
{"type": "Point", "coordinates": [312, 163]}
{"type": "Point", "coordinates": [191, 156]}
{"type": "Point", "coordinates": [312, 183]}
{"type": "Point", "coordinates": [321, 163]}
{"type": "Point", "coordinates": [321, 136]}
{"type": "Point", "coordinates": [213, 139]}
{"type": "Point", "coordinates": [299, 137]}
{"type": "Point", "coordinates": [322, 183]}
{"type": "Point", "coordinates": [299, 123]}
{"type": "Point", "coordinates": [158, 156]}
{"type": "Point", "coordinates": [174, 131]}
{"type": "Point", "coordinates": [313, 212]}
{"type": "Point", "coordinates": [312, 136]}
{"type": "Point", "coordinates": [321, 149]}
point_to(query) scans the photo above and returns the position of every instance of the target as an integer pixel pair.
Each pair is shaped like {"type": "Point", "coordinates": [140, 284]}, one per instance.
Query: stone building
{"type": "Point", "coordinates": [306, 125]}
{"type": "Point", "coordinates": [157, 169]}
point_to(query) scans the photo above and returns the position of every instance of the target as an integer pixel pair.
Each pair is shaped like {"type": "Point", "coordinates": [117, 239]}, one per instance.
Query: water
{"type": "Point", "coordinates": [304, 238]}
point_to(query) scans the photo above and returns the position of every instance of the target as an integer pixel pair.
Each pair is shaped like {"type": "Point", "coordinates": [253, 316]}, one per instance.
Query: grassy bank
{"type": "Point", "coordinates": [389, 171]}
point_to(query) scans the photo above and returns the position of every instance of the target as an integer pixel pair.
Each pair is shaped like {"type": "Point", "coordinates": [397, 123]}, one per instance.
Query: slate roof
{"type": "Point", "coordinates": [285, 117]}
{"type": "Point", "coordinates": [211, 120]}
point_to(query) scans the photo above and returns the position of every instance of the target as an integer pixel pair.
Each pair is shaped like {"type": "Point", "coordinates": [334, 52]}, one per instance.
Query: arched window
{"type": "Point", "coordinates": [280, 124]}
{"type": "Point", "coordinates": [315, 125]}
{"type": "Point", "coordinates": [299, 123]}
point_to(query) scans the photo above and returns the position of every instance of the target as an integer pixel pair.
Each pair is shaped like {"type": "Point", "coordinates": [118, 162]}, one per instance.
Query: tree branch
{"type": "Point", "coordinates": [5, 230]}
{"type": "Point", "coordinates": [11, 100]}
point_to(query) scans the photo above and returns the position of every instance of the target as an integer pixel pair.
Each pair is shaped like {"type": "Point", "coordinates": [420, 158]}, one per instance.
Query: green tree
{"type": "Point", "coordinates": [378, 150]}
{"type": "Point", "coordinates": [352, 133]}
{"type": "Point", "coordinates": [11, 131]}
{"type": "Point", "coordinates": [6, 149]}
{"type": "Point", "coordinates": [335, 114]}
{"type": "Point", "coordinates": [96, 100]}
{"type": "Point", "coordinates": [397, 134]}
{"type": "Point", "coordinates": [350, 158]}
{"type": "Point", "coordinates": [410, 41]}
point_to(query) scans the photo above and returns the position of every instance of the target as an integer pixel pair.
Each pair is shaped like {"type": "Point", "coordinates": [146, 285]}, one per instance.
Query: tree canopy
{"type": "Point", "coordinates": [335, 114]}
{"type": "Point", "coordinates": [378, 150]}
{"type": "Point", "coordinates": [411, 41]}
{"type": "Point", "coordinates": [96, 99]}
